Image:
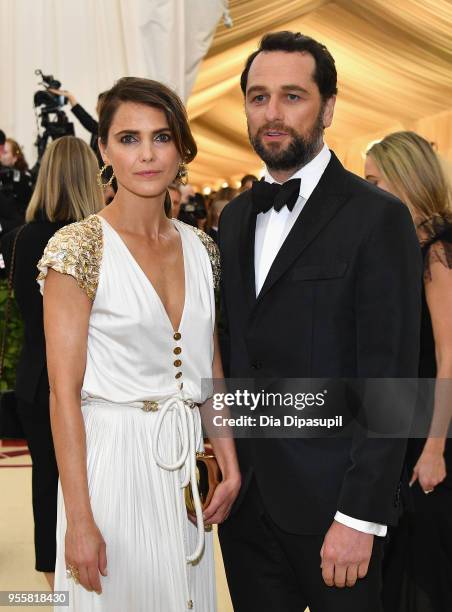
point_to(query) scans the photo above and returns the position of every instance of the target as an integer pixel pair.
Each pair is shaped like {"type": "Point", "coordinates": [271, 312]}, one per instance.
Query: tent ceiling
{"type": "Point", "coordinates": [394, 65]}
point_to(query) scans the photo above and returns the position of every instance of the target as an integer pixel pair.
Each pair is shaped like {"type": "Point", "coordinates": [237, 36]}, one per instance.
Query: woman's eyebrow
{"type": "Point", "coordinates": [133, 132]}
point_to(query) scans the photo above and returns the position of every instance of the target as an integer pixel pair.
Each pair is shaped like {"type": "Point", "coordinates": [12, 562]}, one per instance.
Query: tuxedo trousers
{"type": "Point", "coordinates": [271, 570]}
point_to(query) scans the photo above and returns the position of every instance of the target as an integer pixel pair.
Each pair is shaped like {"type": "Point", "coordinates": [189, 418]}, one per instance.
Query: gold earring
{"type": "Point", "coordinates": [99, 177]}
{"type": "Point", "coordinates": [182, 174]}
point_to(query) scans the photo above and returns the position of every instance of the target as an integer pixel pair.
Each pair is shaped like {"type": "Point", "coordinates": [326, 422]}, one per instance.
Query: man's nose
{"type": "Point", "coordinates": [273, 110]}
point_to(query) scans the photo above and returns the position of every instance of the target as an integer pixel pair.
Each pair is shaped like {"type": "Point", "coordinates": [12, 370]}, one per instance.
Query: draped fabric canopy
{"type": "Point", "coordinates": [393, 60]}
{"type": "Point", "coordinates": [89, 44]}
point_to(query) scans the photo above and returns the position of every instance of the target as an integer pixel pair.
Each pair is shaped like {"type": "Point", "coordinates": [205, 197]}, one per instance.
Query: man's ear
{"type": "Point", "coordinates": [328, 111]}
{"type": "Point", "coordinates": [103, 152]}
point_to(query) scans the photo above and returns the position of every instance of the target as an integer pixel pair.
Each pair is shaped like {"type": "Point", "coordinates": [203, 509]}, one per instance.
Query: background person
{"type": "Point", "coordinates": [247, 182]}
{"type": "Point", "coordinates": [192, 207]}
{"type": "Point", "coordinates": [218, 202]}
{"type": "Point", "coordinates": [175, 195]}
{"type": "Point", "coordinates": [16, 186]}
{"type": "Point", "coordinates": [12, 156]}
{"type": "Point", "coordinates": [89, 123]}
{"type": "Point", "coordinates": [418, 561]}
{"type": "Point", "coordinates": [66, 191]}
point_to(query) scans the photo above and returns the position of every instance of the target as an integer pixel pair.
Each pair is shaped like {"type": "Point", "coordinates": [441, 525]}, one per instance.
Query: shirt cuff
{"type": "Point", "coordinates": [364, 526]}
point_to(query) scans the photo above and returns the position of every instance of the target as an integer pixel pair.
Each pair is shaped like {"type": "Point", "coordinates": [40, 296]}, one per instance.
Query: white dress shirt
{"type": "Point", "coordinates": [272, 228]}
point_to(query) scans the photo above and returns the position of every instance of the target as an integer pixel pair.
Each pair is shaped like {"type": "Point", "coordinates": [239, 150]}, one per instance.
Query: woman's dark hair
{"type": "Point", "coordinates": [154, 94]}
{"type": "Point", "coordinates": [325, 75]}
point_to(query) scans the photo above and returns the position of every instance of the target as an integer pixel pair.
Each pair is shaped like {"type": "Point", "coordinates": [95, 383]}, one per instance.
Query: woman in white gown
{"type": "Point", "coordinates": [130, 328]}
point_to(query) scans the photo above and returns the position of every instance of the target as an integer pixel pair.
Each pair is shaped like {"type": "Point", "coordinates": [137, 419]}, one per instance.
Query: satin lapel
{"type": "Point", "coordinates": [324, 202]}
{"type": "Point", "coordinates": [246, 251]}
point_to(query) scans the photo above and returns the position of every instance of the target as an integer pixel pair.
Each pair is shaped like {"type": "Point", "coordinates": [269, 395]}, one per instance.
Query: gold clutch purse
{"type": "Point", "coordinates": [208, 476]}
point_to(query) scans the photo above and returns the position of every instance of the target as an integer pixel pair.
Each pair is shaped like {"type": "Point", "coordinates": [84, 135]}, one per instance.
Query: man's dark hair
{"type": "Point", "coordinates": [2, 138]}
{"type": "Point", "coordinates": [248, 178]}
{"type": "Point", "coordinates": [325, 75]}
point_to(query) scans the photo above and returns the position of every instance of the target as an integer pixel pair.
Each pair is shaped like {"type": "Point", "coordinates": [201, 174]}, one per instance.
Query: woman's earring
{"type": "Point", "coordinates": [182, 174]}
{"type": "Point", "coordinates": [99, 177]}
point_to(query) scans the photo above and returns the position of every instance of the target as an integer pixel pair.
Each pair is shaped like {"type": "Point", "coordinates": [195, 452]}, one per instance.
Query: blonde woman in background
{"type": "Point", "coordinates": [66, 191]}
{"type": "Point", "coordinates": [418, 568]}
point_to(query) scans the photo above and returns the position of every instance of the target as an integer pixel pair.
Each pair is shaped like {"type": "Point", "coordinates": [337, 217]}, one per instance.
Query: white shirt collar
{"type": "Point", "coordinates": [309, 174]}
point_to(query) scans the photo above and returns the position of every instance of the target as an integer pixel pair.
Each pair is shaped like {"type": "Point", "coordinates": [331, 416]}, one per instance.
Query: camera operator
{"type": "Point", "coordinates": [16, 186]}
{"type": "Point", "coordinates": [92, 125]}
{"type": "Point", "coordinates": [88, 122]}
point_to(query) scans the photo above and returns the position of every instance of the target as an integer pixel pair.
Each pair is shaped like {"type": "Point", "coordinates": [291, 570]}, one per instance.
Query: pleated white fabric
{"type": "Point", "coordinates": [138, 505]}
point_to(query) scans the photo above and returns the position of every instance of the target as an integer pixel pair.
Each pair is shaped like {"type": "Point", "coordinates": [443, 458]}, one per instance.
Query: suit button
{"type": "Point", "coordinates": [256, 365]}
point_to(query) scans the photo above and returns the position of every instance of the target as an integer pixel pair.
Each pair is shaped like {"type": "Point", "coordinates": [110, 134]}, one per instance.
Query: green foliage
{"type": "Point", "coordinates": [14, 339]}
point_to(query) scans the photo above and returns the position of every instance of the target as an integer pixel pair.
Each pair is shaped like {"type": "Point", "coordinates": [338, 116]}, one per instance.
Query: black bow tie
{"type": "Point", "coordinates": [267, 195]}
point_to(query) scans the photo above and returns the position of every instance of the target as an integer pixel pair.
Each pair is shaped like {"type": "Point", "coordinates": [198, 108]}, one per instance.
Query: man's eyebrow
{"type": "Point", "coordinates": [134, 132]}
{"type": "Point", "coordinates": [294, 88]}
{"type": "Point", "coordinates": [255, 88]}
{"type": "Point", "coordinates": [289, 87]}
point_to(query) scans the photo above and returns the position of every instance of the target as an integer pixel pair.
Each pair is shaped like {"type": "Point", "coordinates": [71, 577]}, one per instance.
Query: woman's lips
{"type": "Point", "coordinates": [148, 173]}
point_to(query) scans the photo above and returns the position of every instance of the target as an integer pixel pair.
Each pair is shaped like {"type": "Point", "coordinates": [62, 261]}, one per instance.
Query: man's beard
{"type": "Point", "coordinates": [298, 153]}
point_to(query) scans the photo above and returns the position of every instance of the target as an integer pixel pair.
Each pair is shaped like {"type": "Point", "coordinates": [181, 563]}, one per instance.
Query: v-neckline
{"type": "Point", "coordinates": [148, 280]}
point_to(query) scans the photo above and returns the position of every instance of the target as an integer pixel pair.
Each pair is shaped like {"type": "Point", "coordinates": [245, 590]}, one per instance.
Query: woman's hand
{"type": "Point", "coordinates": [429, 470]}
{"type": "Point", "coordinates": [220, 505]}
{"type": "Point", "coordinates": [86, 551]}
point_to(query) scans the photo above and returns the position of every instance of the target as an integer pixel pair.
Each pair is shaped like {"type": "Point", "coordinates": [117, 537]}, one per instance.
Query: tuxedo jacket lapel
{"type": "Point", "coordinates": [246, 255]}
{"type": "Point", "coordinates": [322, 205]}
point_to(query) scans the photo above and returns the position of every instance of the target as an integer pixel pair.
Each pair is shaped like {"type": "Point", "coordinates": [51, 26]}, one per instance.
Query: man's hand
{"type": "Point", "coordinates": [345, 555]}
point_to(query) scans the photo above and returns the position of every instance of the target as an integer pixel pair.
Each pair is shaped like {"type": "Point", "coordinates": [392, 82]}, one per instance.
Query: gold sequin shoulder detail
{"type": "Point", "coordinates": [213, 253]}
{"type": "Point", "coordinates": [76, 249]}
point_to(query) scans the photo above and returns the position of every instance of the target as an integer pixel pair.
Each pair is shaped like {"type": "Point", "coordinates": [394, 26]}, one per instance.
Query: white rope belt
{"type": "Point", "coordinates": [183, 409]}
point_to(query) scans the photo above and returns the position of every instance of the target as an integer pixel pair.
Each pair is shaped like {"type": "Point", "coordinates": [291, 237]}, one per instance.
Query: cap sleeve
{"type": "Point", "coordinates": [76, 249]}
{"type": "Point", "coordinates": [213, 253]}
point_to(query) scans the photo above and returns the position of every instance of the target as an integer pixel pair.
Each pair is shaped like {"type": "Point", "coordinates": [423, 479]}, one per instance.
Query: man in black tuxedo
{"type": "Point", "coordinates": [320, 278]}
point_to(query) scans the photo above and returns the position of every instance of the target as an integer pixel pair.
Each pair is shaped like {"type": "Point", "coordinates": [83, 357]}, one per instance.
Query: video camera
{"type": "Point", "coordinates": [195, 206]}
{"type": "Point", "coordinates": [7, 176]}
{"type": "Point", "coordinates": [53, 119]}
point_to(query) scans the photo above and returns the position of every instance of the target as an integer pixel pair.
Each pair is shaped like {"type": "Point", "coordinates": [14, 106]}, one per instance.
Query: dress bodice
{"type": "Point", "coordinates": [438, 248]}
{"type": "Point", "coordinates": [133, 353]}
